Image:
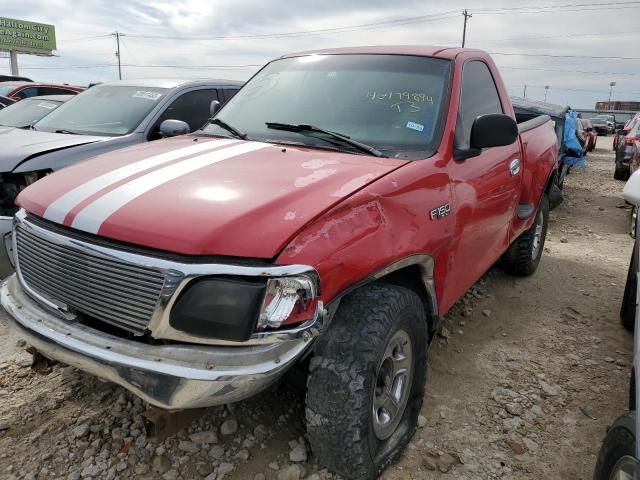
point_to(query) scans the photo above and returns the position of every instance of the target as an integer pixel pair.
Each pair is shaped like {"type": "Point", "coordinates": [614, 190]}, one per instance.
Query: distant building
{"type": "Point", "coordinates": [618, 105]}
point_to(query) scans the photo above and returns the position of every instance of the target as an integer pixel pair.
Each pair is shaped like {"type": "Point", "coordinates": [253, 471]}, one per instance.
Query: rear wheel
{"type": "Point", "coordinates": [621, 172]}
{"type": "Point", "coordinates": [523, 256]}
{"type": "Point", "coordinates": [616, 454]}
{"type": "Point", "coordinates": [367, 380]}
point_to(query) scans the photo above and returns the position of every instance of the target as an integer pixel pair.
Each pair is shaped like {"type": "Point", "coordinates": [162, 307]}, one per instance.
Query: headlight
{"type": "Point", "coordinates": [233, 308]}
{"type": "Point", "coordinates": [288, 299]}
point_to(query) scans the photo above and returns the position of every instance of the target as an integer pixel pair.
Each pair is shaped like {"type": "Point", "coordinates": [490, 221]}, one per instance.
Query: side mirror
{"type": "Point", "coordinates": [589, 129]}
{"type": "Point", "coordinates": [172, 128]}
{"type": "Point", "coordinates": [493, 130]}
{"type": "Point", "coordinates": [490, 130]}
{"type": "Point", "coordinates": [622, 131]}
{"type": "Point", "coordinates": [213, 108]}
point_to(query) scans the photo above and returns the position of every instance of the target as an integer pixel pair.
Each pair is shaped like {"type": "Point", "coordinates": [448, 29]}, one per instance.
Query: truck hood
{"type": "Point", "coordinates": [202, 196]}
{"type": "Point", "coordinates": [19, 145]}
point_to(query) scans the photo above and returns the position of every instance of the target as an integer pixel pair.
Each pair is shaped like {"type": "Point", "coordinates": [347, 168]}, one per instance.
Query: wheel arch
{"type": "Point", "coordinates": [414, 272]}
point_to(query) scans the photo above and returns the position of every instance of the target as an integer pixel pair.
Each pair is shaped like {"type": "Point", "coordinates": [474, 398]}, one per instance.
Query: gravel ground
{"type": "Point", "coordinates": [523, 381]}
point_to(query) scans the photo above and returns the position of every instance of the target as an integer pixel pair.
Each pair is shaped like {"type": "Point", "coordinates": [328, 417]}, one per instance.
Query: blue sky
{"type": "Point", "coordinates": [182, 34]}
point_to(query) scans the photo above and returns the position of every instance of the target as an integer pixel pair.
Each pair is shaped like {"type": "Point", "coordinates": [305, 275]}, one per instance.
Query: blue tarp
{"type": "Point", "coordinates": [573, 150]}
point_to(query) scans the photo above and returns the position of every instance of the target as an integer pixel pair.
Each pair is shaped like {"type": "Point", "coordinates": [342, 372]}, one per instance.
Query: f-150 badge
{"type": "Point", "coordinates": [440, 212]}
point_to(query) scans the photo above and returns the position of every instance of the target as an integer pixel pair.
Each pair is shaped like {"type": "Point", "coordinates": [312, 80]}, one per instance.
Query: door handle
{"type": "Point", "coordinates": [514, 167]}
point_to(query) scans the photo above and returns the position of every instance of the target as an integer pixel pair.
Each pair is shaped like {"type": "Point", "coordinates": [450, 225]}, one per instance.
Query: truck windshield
{"type": "Point", "coordinates": [107, 110]}
{"type": "Point", "coordinates": [24, 113]}
{"type": "Point", "coordinates": [393, 103]}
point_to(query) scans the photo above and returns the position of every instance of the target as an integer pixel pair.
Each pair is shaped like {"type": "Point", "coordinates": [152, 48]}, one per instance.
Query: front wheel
{"type": "Point", "coordinates": [523, 256]}
{"type": "Point", "coordinates": [367, 380]}
{"type": "Point", "coordinates": [616, 457]}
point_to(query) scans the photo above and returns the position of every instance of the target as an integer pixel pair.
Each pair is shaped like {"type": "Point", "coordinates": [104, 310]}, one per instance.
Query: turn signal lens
{"type": "Point", "coordinates": [288, 300]}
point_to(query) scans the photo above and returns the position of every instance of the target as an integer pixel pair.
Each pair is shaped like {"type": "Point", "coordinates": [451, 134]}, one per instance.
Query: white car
{"type": "Point", "coordinates": [619, 457]}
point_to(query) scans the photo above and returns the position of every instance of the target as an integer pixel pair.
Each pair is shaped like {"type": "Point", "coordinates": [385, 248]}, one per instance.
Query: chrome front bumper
{"type": "Point", "coordinates": [167, 376]}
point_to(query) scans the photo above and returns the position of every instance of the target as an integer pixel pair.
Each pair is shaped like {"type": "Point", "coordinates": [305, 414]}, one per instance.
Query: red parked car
{"type": "Point", "coordinates": [19, 90]}
{"type": "Point", "coordinates": [632, 141]}
{"type": "Point", "coordinates": [591, 135]}
{"type": "Point", "coordinates": [326, 219]}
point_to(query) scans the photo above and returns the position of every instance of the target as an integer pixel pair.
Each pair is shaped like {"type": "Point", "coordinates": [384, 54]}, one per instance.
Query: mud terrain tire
{"type": "Point", "coordinates": [523, 256]}
{"type": "Point", "coordinates": [619, 442]}
{"type": "Point", "coordinates": [344, 380]}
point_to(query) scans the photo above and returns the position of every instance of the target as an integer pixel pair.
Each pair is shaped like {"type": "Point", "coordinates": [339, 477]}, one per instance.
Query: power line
{"type": "Point", "coordinates": [570, 35]}
{"type": "Point", "coordinates": [344, 29]}
{"type": "Point", "coordinates": [567, 71]}
{"type": "Point", "coordinates": [604, 57]}
{"type": "Point", "coordinates": [83, 39]}
{"type": "Point", "coordinates": [555, 8]}
{"type": "Point", "coordinates": [194, 67]}
{"type": "Point", "coordinates": [583, 90]}
{"type": "Point", "coordinates": [135, 65]}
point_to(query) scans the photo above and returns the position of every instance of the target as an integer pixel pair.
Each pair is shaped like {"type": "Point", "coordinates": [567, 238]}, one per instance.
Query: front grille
{"type": "Point", "coordinates": [111, 290]}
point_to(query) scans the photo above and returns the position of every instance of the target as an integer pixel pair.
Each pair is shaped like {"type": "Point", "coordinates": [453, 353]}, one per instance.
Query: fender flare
{"type": "Point", "coordinates": [426, 265]}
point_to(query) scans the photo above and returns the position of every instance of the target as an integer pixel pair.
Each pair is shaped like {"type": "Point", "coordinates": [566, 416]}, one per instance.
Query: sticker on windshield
{"type": "Point", "coordinates": [415, 126]}
{"type": "Point", "coordinates": [147, 95]}
{"type": "Point", "coordinates": [49, 106]}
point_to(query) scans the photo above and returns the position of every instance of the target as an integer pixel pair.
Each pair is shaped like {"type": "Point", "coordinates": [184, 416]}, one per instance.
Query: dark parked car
{"type": "Point", "coordinates": [101, 119]}
{"type": "Point", "coordinates": [526, 109]}
{"type": "Point", "coordinates": [627, 139]}
{"type": "Point", "coordinates": [25, 113]}
{"type": "Point", "coordinates": [20, 90]}
{"type": "Point", "coordinates": [619, 456]}
{"type": "Point", "coordinates": [14, 78]}
{"type": "Point", "coordinates": [601, 125]}
{"type": "Point", "coordinates": [621, 132]}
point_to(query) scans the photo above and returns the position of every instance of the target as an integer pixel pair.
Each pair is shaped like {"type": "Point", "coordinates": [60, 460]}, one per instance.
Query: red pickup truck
{"type": "Point", "coordinates": [326, 219]}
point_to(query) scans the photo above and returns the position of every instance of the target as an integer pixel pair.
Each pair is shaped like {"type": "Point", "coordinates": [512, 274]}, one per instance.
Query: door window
{"type": "Point", "coordinates": [229, 93]}
{"type": "Point", "coordinates": [27, 92]}
{"type": "Point", "coordinates": [479, 96]}
{"type": "Point", "coordinates": [191, 107]}
{"type": "Point", "coordinates": [55, 91]}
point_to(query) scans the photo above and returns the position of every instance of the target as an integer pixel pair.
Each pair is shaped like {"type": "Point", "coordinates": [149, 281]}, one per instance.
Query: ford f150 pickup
{"type": "Point", "coordinates": [326, 219]}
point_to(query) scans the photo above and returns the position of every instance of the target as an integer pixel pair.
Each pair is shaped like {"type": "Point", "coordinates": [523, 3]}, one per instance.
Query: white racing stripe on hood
{"type": "Point", "coordinates": [90, 218]}
{"type": "Point", "coordinates": [59, 208]}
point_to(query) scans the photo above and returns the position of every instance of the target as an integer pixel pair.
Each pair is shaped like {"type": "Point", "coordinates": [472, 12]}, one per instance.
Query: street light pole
{"type": "Point", "coordinates": [546, 89]}
{"type": "Point", "coordinates": [611, 85]}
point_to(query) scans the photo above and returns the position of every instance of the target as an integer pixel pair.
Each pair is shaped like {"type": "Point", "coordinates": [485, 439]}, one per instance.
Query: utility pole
{"type": "Point", "coordinates": [117, 35]}
{"type": "Point", "coordinates": [546, 89]}
{"type": "Point", "coordinates": [466, 15]}
{"type": "Point", "coordinates": [611, 85]}
{"type": "Point", "coordinates": [524, 93]}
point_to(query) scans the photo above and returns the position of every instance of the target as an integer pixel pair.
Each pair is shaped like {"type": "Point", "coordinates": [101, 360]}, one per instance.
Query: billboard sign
{"type": "Point", "coordinates": [27, 37]}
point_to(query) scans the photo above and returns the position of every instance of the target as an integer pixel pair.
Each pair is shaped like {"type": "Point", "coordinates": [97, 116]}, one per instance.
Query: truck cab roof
{"type": "Point", "coordinates": [418, 50]}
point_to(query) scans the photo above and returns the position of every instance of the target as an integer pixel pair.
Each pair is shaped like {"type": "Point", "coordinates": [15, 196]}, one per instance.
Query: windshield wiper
{"type": "Point", "coordinates": [232, 130]}
{"type": "Point", "coordinates": [345, 139]}
{"type": "Point", "coordinates": [67, 131]}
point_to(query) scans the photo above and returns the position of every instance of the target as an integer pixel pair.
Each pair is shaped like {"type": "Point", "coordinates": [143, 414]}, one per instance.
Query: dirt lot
{"type": "Point", "coordinates": [522, 383]}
